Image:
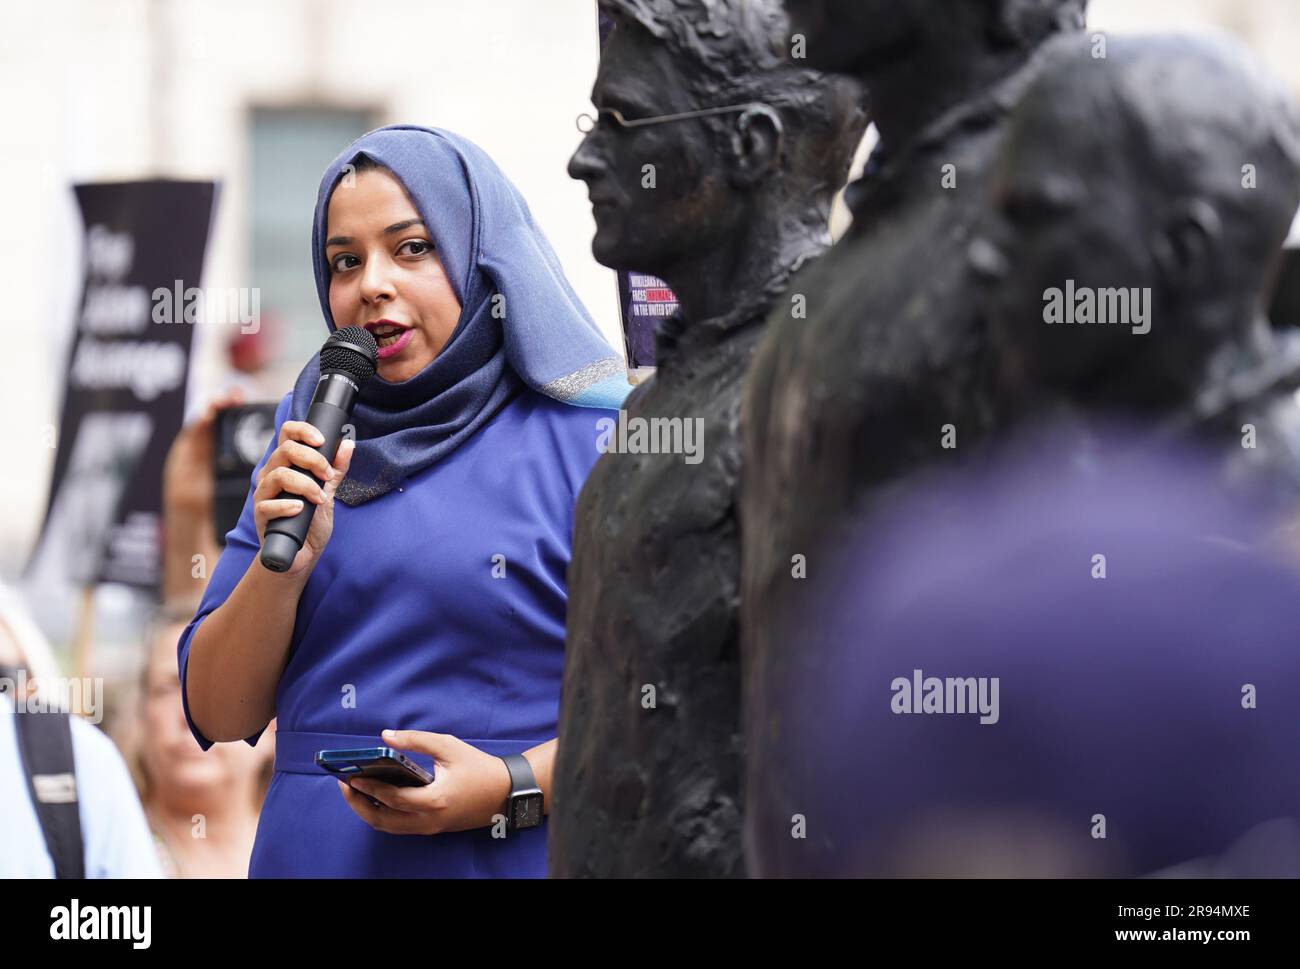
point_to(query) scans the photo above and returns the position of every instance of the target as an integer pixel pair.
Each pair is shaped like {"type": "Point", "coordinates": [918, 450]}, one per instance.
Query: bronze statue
{"type": "Point", "coordinates": [1135, 228]}
{"type": "Point", "coordinates": [1135, 217]}
{"type": "Point", "coordinates": [712, 164]}
{"type": "Point", "coordinates": [889, 371]}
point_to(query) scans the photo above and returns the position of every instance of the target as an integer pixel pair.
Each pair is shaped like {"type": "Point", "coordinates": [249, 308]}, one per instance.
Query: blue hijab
{"type": "Point", "coordinates": [539, 335]}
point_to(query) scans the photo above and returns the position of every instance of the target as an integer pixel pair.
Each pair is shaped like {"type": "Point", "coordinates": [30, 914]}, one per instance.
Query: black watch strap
{"type": "Point", "coordinates": [521, 773]}
{"type": "Point", "coordinates": [523, 784]}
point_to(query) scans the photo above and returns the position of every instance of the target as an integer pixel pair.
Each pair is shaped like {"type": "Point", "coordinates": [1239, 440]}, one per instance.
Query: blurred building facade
{"type": "Point", "coordinates": [260, 95]}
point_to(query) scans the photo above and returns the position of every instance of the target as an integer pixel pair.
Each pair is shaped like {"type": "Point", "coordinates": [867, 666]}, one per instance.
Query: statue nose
{"type": "Point", "coordinates": [584, 164]}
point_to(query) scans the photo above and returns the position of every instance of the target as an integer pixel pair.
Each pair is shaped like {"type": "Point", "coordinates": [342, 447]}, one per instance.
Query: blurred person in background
{"type": "Point", "coordinates": [201, 807]}
{"type": "Point", "coordinates": [189, 500]}
{"type": "Point", "coordinates": [202, 810]}
{"type": "Point", "coordinates": [88, 825]}
{"type": "Point", "coordinates": [431, 596]}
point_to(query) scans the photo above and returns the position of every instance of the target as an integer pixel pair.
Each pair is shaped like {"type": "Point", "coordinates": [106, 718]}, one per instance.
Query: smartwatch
{"type": "Point", "coordinates": [524, 806]}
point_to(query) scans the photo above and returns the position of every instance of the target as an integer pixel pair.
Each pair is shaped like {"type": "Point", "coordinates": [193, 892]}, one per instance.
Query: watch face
{"type": "Point", "coordinates": [527, 810]}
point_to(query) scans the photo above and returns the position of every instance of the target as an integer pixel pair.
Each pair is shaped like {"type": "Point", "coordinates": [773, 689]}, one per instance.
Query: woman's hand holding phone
{"type": "Point", "coordinates": [469, 789]}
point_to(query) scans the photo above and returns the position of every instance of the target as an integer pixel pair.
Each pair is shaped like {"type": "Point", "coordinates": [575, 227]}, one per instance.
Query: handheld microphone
{"type": "Point", "coordinates": [347, 360]}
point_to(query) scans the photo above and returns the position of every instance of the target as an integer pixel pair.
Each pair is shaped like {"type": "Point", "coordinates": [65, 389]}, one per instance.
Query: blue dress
{"type": "Point", "coordinates": [438, 607]}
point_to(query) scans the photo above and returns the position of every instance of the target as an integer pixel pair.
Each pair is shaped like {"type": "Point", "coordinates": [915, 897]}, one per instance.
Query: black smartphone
{"type": "Point", "coordinates": [374, 763]}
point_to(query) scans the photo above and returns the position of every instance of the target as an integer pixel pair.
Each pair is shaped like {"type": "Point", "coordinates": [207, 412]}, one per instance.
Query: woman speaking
{"type": "Point", "coordinates": [425, 610]}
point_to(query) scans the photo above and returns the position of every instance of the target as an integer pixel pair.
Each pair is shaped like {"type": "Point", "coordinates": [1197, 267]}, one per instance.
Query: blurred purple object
{"type": "Point", "coordinates": [1124, 703]}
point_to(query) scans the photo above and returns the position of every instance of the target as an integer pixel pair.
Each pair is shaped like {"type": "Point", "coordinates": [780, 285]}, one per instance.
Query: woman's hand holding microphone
{"type": "Point", "coordinates": [281, 473]}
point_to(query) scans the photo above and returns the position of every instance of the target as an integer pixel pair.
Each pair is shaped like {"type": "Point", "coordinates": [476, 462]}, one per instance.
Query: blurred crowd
{"type": "Point", "coordinates": [153, 803]}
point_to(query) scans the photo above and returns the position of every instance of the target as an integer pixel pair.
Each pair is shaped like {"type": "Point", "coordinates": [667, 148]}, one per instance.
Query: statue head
{"type": "Point", "coordinates": [862, 37]}
{"type": "Point", "coordinates": [776, 135]}
{"type": "Point", "coordinates": [1136, 216]}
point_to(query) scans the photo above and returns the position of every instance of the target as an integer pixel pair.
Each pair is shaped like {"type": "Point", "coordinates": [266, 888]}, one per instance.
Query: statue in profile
{"type": "Point", "coordinates": [712, 164]}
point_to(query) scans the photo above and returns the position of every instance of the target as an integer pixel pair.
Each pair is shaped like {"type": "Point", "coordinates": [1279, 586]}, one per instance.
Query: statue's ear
{"type": "Point", "coordinates": [757, 144]}
{"type": "Point", "coordinates": [1188, 243]}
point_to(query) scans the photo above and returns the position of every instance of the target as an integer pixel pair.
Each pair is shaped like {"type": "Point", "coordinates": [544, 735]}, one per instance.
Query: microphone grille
{"type": "Point", "coordinates": [352, 351]}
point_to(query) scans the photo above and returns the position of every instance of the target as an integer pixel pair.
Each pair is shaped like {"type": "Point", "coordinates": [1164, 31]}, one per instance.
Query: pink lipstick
{"type": "Point", "coordinates": [392, 337]}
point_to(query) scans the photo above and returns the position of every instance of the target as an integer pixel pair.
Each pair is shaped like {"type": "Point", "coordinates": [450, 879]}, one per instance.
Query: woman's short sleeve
{"type": "Point", "coordinates": [241, 546]}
